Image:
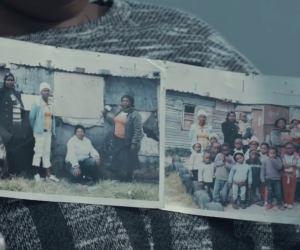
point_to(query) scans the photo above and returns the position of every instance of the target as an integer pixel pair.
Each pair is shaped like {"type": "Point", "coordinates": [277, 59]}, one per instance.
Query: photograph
{"type": "Point", "coordinates": [77, 136]}
{"type": "Point", "coordinates": [230, 159]}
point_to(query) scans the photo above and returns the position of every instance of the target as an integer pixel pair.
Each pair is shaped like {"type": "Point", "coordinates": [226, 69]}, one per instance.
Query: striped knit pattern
{"type": "Point", "coordinates": [139, 30]}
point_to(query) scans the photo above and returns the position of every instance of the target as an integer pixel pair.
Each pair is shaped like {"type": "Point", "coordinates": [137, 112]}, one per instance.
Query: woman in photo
{"type": "Point", "coordinates": [230, 129]}
{"type": "Point", "coordinates": [11, 121]}
{"type": "Point", "coordinates": [128, 133]}
{"type": "Point", "coordinates": [42, 121]}
{"type": "Point", "coordinates": [280, 135]}
{"type": "Point", "coordinates": [200, 132]}
{"type": "Point", "coordinates": [82, 158]}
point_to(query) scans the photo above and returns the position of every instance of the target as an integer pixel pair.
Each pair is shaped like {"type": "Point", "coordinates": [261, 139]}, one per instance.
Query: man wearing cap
{"type": "Point", "coordinates": [201, 131]}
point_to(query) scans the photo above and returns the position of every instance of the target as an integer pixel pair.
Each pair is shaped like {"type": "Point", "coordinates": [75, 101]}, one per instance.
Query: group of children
{"type": "Point", "coordinates": [256, 174]}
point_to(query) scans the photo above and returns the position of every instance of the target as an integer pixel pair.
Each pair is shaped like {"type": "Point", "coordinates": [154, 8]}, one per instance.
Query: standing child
{"type": "Point", "coordinates": [215, 151]}
{"type": "Point", "coordinates": [255, 165]}
{"type": "Point", "coordinates": [206, 173]}
{"type": "Point", "coordinates": [253, 144]}
{"type": "Point", "coordinates": [291, 164]}
{"type": "Point", "coordinates": [238, 147]}
{"type": "Point", "coordinates": [263, 155]}
{"type": "Point", "coordinates": [213, 138]}
{"type": "Point", "coordinates": [270, 174]}
{"type": "Point", "coordinates": [222, 165]}
{"type": "Point", "coordinates": [195, 160]}
{"type": "Point", "coordinates": [240, 176]}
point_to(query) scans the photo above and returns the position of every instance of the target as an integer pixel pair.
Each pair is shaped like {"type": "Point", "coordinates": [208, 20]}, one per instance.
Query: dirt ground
{"type": "Point", "coordinates": [175, 195]}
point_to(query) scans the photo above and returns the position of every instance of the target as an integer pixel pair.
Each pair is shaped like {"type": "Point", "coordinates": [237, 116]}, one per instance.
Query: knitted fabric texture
{"type": "Point", "coordinates": [139, 30]}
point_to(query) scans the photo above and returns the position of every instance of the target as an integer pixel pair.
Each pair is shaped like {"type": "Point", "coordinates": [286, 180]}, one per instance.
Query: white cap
{"type": "Point", "coordinates": [201, 112]}
{"type": "Point", "coordinates": [254, 139]}
{"type": "Point", "coordinates": [44, 85]}
{"type": "Point", "coordinates": [213, 135]}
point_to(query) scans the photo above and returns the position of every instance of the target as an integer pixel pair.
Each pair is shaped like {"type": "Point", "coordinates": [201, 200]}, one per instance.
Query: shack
{"type": "Point", "coordinates": [79, 99]}
{"type": "Point", "coordinates": [182, 109]}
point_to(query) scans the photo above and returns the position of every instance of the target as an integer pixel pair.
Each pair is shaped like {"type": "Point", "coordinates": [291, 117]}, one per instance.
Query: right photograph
{"type": "Point", "coordinates": [234, 159]}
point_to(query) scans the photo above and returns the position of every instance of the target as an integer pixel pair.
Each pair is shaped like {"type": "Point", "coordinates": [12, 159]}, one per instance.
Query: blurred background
{"type": "Point", "coordinates": [265, 31]}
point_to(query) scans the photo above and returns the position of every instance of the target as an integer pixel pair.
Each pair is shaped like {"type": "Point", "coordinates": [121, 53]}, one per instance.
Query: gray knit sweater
{"type": "Point", "coordinates": [139, 30]}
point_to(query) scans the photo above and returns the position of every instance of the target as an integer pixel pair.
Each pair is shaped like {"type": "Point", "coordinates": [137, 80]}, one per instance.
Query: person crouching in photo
{"type": "Point", "coordinates": [127, 137]}
{"type": "Point", "coordinates": [255, 165]}
{"type": "Point", "coordinates": [42, 121]}
{"type": "Point", "coordinates": [222, 166]}
{"type": "Point", "coordinates": [240, 176]}
{"type": "Point", "coordinates": [271, 175]}
{"type": "Point", "coordinates": [196, 159]}
{"type": "Point", "coordinates": [206, 173]}
{"type": "Point", "coordinates": [82, 158]}
{"type": "Point", "coordinates": [291, 164]}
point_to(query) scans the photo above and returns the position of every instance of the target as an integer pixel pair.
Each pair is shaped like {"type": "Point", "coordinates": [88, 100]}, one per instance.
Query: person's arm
{"type": "Point", "coordinates": [248, 133]}
{"type": "Point", "coordinates": [191, 163]}
{"type": "Point", "coordinates": [92, 151]}
{"type": "Point", "coordinates": [250, 176]}
{"type": "Point", "coordinates": [32, 114]}
{"type": "Point", "coordinates": [263, 171]}
{"type": "Point", "coordinates": [277, 163]}
{"type": "Point", "coordinates": [72, 153]}
{"type": "Point", "coordinates": [219, 160]}
{"type": "Point", "coordinates": [137, 129]}
{"type": "Point", "coordinates": [228, 165]}
{"type": "Point", "coordinates": [276, 139]}
{"type": "Point", "coordinates": [231, 174]}
{"type": "Point", "coordinates": [225, 130]}
{"type": "Point", "coordinates": [200, 173]}
{"type": "Point", "coordinates": [109, 117]}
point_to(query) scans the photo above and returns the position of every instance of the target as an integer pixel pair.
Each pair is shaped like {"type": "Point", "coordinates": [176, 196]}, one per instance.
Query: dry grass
{"type": "Point", "coordinates": [175, 192]}
{"type": "Point", "coordinates": [103, 189]}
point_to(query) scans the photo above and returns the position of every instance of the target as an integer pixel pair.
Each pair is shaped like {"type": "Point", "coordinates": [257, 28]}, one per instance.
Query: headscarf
{"type": "Point", "coordinates": [5, 89]}
{"type": "Point", "coordinates": [44, 85]}
{"type": "Point", "coordinates": [201, 112]}
{"type": "Point", "coordinates": [230, 112]}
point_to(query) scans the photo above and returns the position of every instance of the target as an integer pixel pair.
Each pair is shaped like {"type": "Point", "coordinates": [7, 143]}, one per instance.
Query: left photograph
{"type": "Point", "coordinates": [82, 135]}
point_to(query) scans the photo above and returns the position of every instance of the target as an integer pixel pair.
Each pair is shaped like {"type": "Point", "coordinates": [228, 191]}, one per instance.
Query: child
{"type": "Point", "coordinates": [216, 149]}
{"type": "Point", "coordinates": [222, 166]}
{"type": "Point", "coordinates": [206, 173]}
{"type": "Point", "coordinates": [263, 155]}
{"type": "Point", "coordinates": [294, 127]}
{"type": "Point", "coordinates": [270, 174]}
{"type": "Point", "coordinates": [253, 144]}
{"type": "Point", "coordinates": [240, 176]}
{"type": "Point", "coordinates": [238, 147]}
{"type": "Point", "coordinates": [290, 163]}
{"type": "Point", "coordinates": [213, 138]}
{"type": "Point", "coordinates": [195, 160]}
{"type": "Point", "coordinates": [244, 129]}
{"type": "Point", "coordinates": [255, 165]}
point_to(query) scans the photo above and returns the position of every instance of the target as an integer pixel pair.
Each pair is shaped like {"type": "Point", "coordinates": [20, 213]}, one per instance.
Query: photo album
{"type": "Point", "coordinates": [87, 127]}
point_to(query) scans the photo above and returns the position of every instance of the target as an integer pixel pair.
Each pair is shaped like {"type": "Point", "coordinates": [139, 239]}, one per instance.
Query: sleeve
{"type": "Point", "coordinates": [200, 173]}
{"type": "Point", "coordinates": [276, 140]}
{"type": "Point", "coordinates": [137, 129]}
{"type": "Point", "coordinates": [277, 163]}
{"type": "Point", "coordinates": [228, 166]}
{"type": "Point", "coordinates": [250, 175]}
{"type": "Point", "coordinates": [231, 174]}
{"type": "Point", "coordinates": [298, 162]}
{"type": "Point", "coordinates": [93, 151]}
{"type": "Point", "coordinates": [191, 163]}
{"type": "Point", "coordinates": [225, 130]}
{"type": "Point", "coordinates": [263, 171]}
{"type": "Point", "coordinates": [109, 117]}
{"type": "Point", "coordinates": [248, 133]}
{"type": "Point", "coordinates": [219, 160]}
{"type": "Point", "coordinates": [71, 153]}
{"type": "Point", "coordinates": [32, 114]}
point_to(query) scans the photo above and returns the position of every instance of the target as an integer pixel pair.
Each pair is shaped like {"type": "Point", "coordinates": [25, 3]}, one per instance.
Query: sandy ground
{"type": "Point", "coordinates": [175, 195]}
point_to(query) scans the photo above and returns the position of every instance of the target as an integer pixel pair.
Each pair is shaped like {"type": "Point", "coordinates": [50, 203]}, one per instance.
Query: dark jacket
{"type": "Point", "coordinates": [133, 127]}
{"type": "Point", "coordinates": [255, 169]}
{"type": "Point", "coordinates": [6, 113]}
{"type": "Point", "coordinates": [231, 132]}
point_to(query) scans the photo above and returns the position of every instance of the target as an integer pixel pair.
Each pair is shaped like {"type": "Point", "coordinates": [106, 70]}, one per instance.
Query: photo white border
{"type": "Point", "coordinates": [35, 55]}
{"type": "Point", "coordinates": [235, 88]}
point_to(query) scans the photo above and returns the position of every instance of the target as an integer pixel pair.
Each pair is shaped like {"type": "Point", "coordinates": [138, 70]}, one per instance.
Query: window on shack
{"type": "Point", "coordinates": [188, 116]}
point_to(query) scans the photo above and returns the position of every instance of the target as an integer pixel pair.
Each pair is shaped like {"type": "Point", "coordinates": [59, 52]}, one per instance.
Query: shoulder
{"type": "Point", "coordinates": [86, 140]}
{"type": "Point", "coordinates": [189, 39]}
